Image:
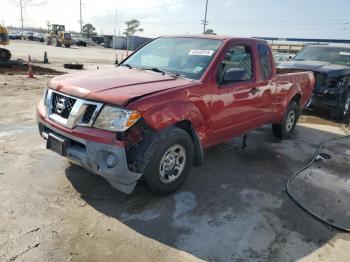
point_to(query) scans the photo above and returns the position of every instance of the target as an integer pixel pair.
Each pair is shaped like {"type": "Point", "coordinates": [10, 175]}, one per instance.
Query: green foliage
{"type": "Point", "coordinates": [132, 27]}
{"type": "Point", "coordinates": [89, 30]}
{"type": "Point", "coordinates": [209, 32]}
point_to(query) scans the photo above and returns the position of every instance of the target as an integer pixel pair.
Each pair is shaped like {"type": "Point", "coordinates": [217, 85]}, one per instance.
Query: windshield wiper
{"type": "Point", "coordinates": [155, 69]}
{"type": "Point", "coordinates": [127, 65]}
{"type": "Point", "coordinates": [131, 67]}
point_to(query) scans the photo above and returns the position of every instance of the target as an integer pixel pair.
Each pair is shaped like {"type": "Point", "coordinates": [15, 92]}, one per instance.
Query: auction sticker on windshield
{"type": "Point", "coordinates": [201, 52]}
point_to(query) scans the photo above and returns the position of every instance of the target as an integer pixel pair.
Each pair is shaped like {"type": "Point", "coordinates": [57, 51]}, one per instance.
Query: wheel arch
{"type": "Point", "coordinates": [296, 98]}
{"type": "Point", "coordinates": [186, 125]}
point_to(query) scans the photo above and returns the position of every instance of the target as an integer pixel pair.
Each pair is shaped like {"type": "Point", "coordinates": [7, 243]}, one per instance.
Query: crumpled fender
{"type": "Point", "coordinates": [168, 114]}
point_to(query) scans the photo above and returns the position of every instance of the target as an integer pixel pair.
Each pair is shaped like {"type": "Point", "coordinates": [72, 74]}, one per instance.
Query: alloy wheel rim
{"type": "Point", "coordinates": [172, 164]}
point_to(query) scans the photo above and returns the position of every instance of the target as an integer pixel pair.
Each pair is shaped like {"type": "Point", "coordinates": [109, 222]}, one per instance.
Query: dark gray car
{"type": "Point", "coordinates": [331, 66]}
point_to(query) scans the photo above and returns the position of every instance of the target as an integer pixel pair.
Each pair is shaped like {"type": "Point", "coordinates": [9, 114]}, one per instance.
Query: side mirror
{"type": "Point", "coordinates": [234, 75]}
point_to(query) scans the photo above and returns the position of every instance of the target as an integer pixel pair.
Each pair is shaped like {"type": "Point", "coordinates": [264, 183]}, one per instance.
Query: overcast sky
{"type": "Point", "coordinates": [275, 18]}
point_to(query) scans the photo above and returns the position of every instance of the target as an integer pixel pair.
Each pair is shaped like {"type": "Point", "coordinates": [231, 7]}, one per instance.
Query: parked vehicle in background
{"type": "Point", "coordinates": [153, 115]}
{"type": "Point", "coordinates": [15, 35]}
{"type": "Point", "coordinates": [5, 54]}
{"type": "Point", "coordinates": [40, 37]}
{"type": "Point", "coordinates": [86, 42]}
{"type": "Point", "coordinates": [58, 36]}
{"type": "Point", "coordinates": [331, 66]}
{"type": "Point", "coordinates": [28, 36]}
{"type": "Point", "coordinates": [282, 57]}
{"type": "Point", "coordinates": [80, 42]}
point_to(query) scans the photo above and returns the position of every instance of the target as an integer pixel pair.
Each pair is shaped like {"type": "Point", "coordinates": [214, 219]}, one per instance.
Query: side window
{"type": "Point", "coordinates": [237, 65]}
{"type": "Point", "coordinates": [265, 61]}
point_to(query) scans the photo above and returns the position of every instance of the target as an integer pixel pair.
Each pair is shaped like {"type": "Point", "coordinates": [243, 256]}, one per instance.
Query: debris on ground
{"type": "Point", "coordinates": [25, 251]}
{"type": "Point", "coordinates": [73, 66]}
{"type": "Point", "coordinates": [20, 67]}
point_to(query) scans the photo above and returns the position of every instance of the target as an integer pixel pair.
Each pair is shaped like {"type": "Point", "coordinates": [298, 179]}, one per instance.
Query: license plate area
{"type": "Point", "coordinates": [57, 144]}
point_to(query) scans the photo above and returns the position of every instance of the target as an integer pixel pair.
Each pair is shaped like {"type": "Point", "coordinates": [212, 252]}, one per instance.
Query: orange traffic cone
{"type": "Point", "coordinates": [30, 69]}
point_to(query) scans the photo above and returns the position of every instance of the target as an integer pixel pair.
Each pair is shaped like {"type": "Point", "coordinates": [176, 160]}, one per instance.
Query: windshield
{"type": "Point", "coordinates": [183, 56]}
{"type": "Point", "coordinates": [335, 55]}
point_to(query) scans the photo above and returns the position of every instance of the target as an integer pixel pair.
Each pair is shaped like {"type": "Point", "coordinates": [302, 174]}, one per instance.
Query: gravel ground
{"type": "Point", "coordinates": [233, 208]}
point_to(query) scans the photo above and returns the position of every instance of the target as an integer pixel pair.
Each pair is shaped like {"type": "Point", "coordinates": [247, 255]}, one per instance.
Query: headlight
{"type": "Point", "coordinates": [339, 82]}
{"type": "Point", "coordinates": [116, 119]}
{"type": "Point", "coordinates": [343, 81]}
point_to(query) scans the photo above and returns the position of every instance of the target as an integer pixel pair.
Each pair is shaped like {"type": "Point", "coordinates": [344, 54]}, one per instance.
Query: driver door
{"type": "Point", "coordinates": [235, 103]}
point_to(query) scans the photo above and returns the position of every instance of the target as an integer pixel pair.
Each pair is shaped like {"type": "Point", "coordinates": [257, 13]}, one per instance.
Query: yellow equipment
{"type": "Point", "coordinates": [5, 54]}
{"type": "Point", "coordinates": [57, 36]}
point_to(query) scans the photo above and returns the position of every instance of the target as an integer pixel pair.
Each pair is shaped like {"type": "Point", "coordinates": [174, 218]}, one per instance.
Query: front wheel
{"type": "Point", "coordinates": [171, 160]}
{"type": "Point", "coordinates": [286, 127]}
{"type": "Point", "coordinates": [343, 111]}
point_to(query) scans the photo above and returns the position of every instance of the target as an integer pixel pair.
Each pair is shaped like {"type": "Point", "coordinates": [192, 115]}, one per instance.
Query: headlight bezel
{"type": "Point", "coordinates": [115, 118]}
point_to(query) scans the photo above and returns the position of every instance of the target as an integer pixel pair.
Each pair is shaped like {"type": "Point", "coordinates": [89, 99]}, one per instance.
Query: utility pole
{"type": "Point", "coordinates": [21, 6]}
{"type": "Point", "coordinates": [81, 20]}
{"type": "Point", "coordinates": [48, 24]}
{"type": "Point", "coordinates": [205, 22]}
{"type": "Point", "coordinates": [116, 21]}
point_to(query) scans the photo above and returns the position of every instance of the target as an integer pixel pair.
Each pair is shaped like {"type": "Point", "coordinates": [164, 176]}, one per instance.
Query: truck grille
{"type": "Point", "coordinates": [68, 103]}
{"type": "Point", "coordinates": [71, 111]}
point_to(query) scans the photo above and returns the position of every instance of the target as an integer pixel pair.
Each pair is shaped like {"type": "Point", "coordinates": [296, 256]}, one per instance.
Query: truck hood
{"type": "Point", "coordinates": [114, 86]}
{"type": "Point", "coordinates": [332, 70]}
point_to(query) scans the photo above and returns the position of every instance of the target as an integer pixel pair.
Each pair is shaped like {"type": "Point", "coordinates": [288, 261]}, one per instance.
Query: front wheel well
{"type": "Point", "coordinates": [186, 125]}
{"type": "Point", "coordinates": [296, 99]}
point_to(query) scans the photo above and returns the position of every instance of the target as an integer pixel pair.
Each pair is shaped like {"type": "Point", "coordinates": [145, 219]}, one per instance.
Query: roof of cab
{"type": "Point", "coordinates": [218, 37]}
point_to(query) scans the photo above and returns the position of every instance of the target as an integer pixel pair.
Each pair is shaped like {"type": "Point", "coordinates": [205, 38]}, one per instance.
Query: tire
{"type": "Point", "coordinates": [343, 111]}
{"type": "Point", "coordinates": [5, 55]}
{"type": "Point", "coordinates": [67, 46]}
{"type": "Point", "coordinates": [286, 127]}
{"type": "Point", "coordinates": [169, 152]}
{"type": "Point", "coordinates": [54, 41]}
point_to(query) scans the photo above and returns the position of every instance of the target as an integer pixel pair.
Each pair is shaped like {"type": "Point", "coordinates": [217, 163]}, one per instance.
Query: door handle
{"type": "Point", "coordinates": [254, 90]}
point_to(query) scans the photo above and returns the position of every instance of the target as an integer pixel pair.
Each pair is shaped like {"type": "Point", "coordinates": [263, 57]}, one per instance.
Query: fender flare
{"type": "Point", "coordinates": [293, 91]}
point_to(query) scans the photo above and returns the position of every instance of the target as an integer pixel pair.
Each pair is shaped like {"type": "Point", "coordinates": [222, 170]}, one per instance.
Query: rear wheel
{"type": "Point", "coordinates": [67, 46]}
{"type": "Point", "coordinates": [170, 159]}
{"type": "Point", "coordinates": [55, 42]}
{"type": "Point", "coordinates": [286, 127]}
{"type": "Point", "coordinates": [5, 55]}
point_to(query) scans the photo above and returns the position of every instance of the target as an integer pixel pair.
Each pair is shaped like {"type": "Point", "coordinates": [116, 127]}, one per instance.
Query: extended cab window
{"type": "Point", "coordinates": [237, 65]}
{"type": "Point", "coordinates": [265, 61]}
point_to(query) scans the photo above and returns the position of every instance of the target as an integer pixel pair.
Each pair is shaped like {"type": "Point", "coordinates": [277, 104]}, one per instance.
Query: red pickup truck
{"type": "Point", "coordinates": [152, 116]}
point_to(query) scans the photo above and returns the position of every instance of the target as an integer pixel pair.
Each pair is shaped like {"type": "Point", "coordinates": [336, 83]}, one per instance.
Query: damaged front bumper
{"type": "Point", "coordinates": [106, 160]}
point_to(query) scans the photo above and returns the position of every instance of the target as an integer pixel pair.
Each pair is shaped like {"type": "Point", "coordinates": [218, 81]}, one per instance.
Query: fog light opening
{"type": "Point", "coordinates": [111, 160]}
